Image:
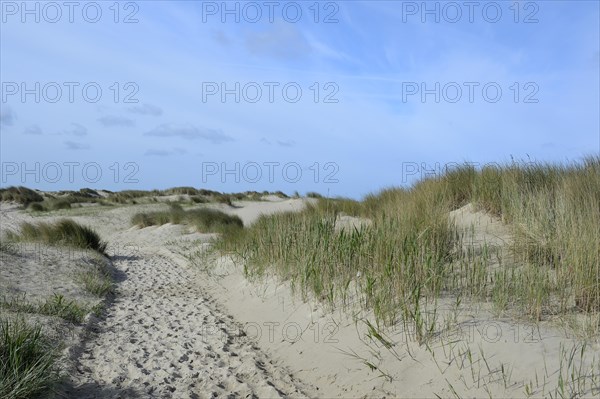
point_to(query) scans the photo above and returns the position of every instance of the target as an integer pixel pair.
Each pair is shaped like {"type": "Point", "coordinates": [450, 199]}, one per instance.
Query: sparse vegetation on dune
{"type": "Point", "coordinates": [83, 195]}
{"type": "Point", "coordinates": [63, 232]}
{"type": "Point", "coordinates": [28, 358]}
{"type": "Point", "coordinates": [45, 202]}
{"type": "Point", "coordinates": [204, 220]}
{"type": "Point", "coordinates": [196, 195]}
{"type": "Point", "coordinates": [197, 199]}
{"type": "Point", "coordinates": [67, 199]}
{"type": "Point", "coordinates": [181, 190]}
{"type": "Point", "coordinates": [225, 199]}
{"type": "Point", "coordinates": [96, 278]}
{"type": "Point", "coordinates": [22, 195]}
{"type": "Point", "coordinates": [129, 196]}
{"type": "Point", "coordinates": [88, 192]}
{"type": "Point", "coordinates": [410, 255]}
{"type": "Point", "coordinates": [57, 305]}
{"type": "Point", "coordinates": [312, 194]}
{"type": "Point", "coordinates": [49, 205]}
{"type": "Point", "coordinates": [399, 258]}
{"type": "Point", "coordinates": [207, 219]}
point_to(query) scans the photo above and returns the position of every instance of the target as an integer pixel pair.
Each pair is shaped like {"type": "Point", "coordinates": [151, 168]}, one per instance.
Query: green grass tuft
{"type": "Point", "coordinates": [27, 360]}
{"type": "Point", "coordinates": [66, 309]}
{"type": "Point", "coordinates": [63, 232]}
{"type": "Point", "coordinates": [49, 205]}
{"type": "Point", "coordinates": [204, 220]}
{"type": "Point", "coordinates": [57, 305]}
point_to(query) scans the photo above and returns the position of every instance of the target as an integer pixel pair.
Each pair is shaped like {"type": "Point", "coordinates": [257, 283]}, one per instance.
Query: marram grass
{"type": "Point", "coordinates": [63, 232]}
{"type": "Point", "coordinates": [409, 255]}
{"type": "Point", "coordinates": [27, 360]}
{"type": "Point", "coordinates": [205, 220]}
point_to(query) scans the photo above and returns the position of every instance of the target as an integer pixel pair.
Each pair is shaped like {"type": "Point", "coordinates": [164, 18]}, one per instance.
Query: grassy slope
{"type": "Point", "coordinates": [408, 255]}
{"type": "Point", "coordinates": [27, 357]}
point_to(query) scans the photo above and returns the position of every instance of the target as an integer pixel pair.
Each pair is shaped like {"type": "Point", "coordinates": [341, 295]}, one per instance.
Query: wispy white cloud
{"type": "Point", "coordinates": [190, 132]}
{"type": "Point", "coordinates": [76, 146]}
{"type": "Point", "coordinates": [75, 130]}
{"type": "Point", "coordinates": [286, 143]}
{"type": "Point", "coordinates": [146, 109]}
{"type": "Point", "coordinates": [279, 40]}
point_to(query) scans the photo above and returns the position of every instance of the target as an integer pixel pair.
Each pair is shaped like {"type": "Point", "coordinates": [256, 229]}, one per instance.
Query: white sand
{"type": "Point", "coordinates": [177, 330]}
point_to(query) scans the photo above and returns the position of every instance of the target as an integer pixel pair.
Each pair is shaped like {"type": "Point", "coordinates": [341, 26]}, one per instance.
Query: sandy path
{"type": "Point", "coordinates": [162, 338]}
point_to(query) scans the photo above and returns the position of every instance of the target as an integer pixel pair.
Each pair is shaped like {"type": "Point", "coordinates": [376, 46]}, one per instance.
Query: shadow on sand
{"type": "Point", "coordinates": [79, 382]}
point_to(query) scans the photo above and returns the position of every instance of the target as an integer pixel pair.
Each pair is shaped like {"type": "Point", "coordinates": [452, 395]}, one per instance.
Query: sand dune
{"type": "Point", "coordinates": [174, 330]}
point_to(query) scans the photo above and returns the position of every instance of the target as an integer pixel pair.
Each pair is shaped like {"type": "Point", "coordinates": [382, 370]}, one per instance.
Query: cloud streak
{"type": "Point", "coordinates": [157, 153]}
{"type": "Point", "coordinates": [190, 132]}
{"type": "Point", "coordinates": [164, 153]}
{"type": "Point", "coordinates": [146, 109]}
{"type": "Point", "coordinates": [75, 146]}
{"type": "Point", "coordinates": [282, 41]}
{"type": "Point", "coordinates": [76, 130]}
{"type": "Point", "coordinates": [112, 121]}
{"type": "Point", "coordinates": [286, 143]}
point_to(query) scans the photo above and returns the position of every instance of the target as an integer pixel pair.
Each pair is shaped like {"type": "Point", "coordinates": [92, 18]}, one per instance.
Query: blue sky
{"type": "Point", "coordinates": [360, 123]}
